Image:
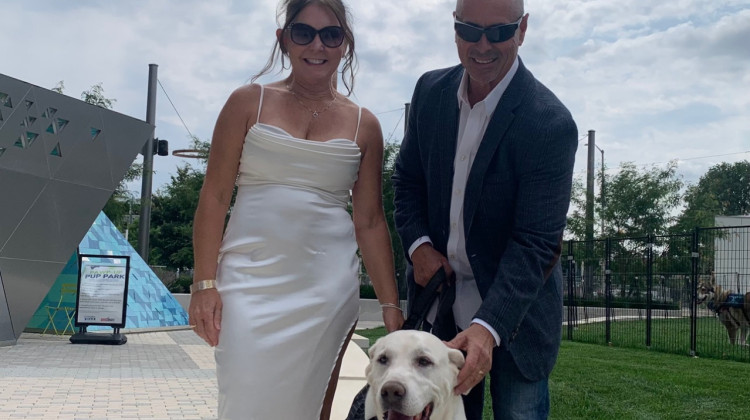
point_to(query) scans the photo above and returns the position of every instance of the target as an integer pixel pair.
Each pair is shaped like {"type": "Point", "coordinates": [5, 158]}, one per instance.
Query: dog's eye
{"type": "Point", "coordinates": [383, 359]}
{"type": "Point", "coordinates": [424, 361]}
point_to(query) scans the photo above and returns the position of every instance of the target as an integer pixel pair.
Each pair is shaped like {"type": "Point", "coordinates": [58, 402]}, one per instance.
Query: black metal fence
{"type": "Point", "coordinates": [642, 292]}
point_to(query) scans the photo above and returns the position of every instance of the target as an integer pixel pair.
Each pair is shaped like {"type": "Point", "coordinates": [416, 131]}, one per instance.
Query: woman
{"type": "Point", "coordinates": [285, 300]}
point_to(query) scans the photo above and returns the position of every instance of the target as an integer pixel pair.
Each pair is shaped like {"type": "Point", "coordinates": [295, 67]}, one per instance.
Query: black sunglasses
{"type": "Point", "coordinates": [303, 34]}
{"type": "Point", "coordinates": [495, 33]}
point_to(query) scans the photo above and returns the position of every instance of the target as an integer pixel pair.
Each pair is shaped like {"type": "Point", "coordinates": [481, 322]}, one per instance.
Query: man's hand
{"type": "Point", "coordinates": [426, 262]}
{"type": "Point", "coordinates": [478, 344]}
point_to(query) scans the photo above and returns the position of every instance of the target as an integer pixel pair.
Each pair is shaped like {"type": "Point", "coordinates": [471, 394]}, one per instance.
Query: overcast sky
{"type": "Point", "coordinates": [657, 81]}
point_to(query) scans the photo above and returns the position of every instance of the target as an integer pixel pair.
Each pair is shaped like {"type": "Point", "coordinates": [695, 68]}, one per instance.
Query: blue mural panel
{"type": "Point", "coordinates": [150, 304]}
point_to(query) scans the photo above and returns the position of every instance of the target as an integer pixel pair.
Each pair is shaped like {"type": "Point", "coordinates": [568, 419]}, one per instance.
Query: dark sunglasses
{"type": "Point", "coordinates": [494, 34]}
{"type": "Point", "coordinates": [330, 36]}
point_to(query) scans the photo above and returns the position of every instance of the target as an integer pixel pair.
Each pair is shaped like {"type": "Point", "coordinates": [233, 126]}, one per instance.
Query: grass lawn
{"type": "Point", "coordinates": [669, 335]}
{"type": "Point", "coordinates": [598, 382]}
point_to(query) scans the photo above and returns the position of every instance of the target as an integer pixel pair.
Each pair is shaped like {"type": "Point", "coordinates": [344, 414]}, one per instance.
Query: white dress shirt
{"type": "Point", "coordinates": [472, 125]}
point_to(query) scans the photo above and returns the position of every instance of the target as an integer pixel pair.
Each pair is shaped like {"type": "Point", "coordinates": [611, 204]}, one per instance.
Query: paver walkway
{"type": "Point", "coordinates": [156, 375]}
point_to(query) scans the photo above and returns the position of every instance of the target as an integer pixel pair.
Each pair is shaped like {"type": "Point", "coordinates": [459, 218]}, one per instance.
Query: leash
{"type": "Point", "coordinates": [424, 299]}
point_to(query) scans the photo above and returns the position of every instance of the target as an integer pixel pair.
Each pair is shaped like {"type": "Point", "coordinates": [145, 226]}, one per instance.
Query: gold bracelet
{"type": "Point", "coordinates": [202, 285]}
{"type": "Point", "coordinates": [391, 305]}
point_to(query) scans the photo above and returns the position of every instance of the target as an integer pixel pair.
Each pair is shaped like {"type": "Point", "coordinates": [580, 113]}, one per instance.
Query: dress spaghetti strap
{"type": "Point", "coordinates": [260, 105]}
{"type": "Point", "coordinates": [359, 119]}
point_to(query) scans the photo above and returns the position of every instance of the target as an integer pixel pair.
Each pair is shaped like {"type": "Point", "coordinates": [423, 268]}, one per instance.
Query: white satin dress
{"type": "Point", "coordinates": [287, 275]}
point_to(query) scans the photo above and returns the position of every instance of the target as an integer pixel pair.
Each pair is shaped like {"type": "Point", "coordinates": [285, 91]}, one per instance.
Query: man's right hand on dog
{"type": "Point", "coordinates": [477, 343]}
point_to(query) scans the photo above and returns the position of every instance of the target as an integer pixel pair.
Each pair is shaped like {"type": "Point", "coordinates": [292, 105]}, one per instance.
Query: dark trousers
{"type": "Point", "coordinates": [513, 396]}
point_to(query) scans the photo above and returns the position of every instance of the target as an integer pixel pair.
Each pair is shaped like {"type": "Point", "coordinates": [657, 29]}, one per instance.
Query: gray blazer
{"type": "Point", "coordinates": [515, 204]}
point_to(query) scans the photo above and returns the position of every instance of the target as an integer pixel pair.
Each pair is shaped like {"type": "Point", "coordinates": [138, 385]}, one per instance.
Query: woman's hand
{"type": "Point", "coordinates": [205, 315]}
{"type": "Point", "coordinates": [393, 318]}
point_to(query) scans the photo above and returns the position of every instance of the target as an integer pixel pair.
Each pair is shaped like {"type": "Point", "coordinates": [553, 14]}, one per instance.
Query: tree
{"type": "Point", "coordinates": [59, 87]}
{"type": "Point", "coordinates": [173, 208]}
{"type": "Point", "coordinates": [390, 153]}
{"type": "Point", "coordinates": [576, 225]}
{"type": "Point", "coordinates": [640, 203]}
{"type": "Point", "coordinates": [202, 149]}
{"type": "Point", "coordinates": [723, 191]}
{"type": "Point", "coordinates": [95, 96]}
{"type": "Point", "coordinates": [122, 203]}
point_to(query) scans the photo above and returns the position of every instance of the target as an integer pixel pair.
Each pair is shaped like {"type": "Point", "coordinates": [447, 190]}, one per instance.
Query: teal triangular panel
{"type": "Point", "coordinates": [150, 304]}
{"type": "Point", "coordinates": [41, 317]}
{"type": "Point", "coordinates": [56, 151]}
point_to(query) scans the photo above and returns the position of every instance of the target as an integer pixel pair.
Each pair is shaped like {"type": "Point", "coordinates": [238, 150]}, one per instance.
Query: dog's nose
{"type": "Point", "coordinates": [392, 392]}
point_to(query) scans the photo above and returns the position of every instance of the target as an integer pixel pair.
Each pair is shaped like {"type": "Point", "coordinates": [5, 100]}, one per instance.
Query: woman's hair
{"type": "Point", "coordinates": [290, 9]}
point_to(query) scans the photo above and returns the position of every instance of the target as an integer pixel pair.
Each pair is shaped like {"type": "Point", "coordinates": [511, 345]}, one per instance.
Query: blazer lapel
{"type": "Point", "coordinates": [447, 131]}
{"type": "Point", "coordinates": [498, 125]}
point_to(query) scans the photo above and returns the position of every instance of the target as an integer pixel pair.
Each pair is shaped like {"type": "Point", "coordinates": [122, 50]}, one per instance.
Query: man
{"type": "Point", "coordinates": [482, 187]}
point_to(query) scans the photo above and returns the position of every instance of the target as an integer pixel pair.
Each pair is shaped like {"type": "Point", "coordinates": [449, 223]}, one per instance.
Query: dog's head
{"type": "Point", "coordinates": [705, 292]}
{"type": "Point", "coordinates": [412, 375]}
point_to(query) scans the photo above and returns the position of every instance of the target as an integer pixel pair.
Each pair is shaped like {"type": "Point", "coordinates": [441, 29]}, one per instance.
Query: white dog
{"type": "Point", "coordinates": [412, 375]}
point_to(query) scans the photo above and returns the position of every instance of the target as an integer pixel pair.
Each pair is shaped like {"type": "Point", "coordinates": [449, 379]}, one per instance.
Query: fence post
{"type": "Point", "coordinates": [608, 290]}
{"type": "Point", "coordinates": [694, 293]}
{"type": "Point", "coordinates": [649, 285]}
{"type": "Point", "coordinates": [571, 290]}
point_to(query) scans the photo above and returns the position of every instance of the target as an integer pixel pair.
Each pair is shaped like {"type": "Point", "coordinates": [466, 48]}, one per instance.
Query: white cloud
{"type": "Point", "coordinates": [657, 81]}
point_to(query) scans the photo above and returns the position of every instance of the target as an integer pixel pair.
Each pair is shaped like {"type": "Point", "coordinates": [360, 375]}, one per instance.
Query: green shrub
{"type": "Point", "coordinates": [180, 285]}
{"type": "Point", "coordinates": [366, 291]}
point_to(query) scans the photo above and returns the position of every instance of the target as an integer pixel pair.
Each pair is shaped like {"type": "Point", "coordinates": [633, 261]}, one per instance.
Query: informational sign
{"type": "Point", "coordinates": [102, 290]}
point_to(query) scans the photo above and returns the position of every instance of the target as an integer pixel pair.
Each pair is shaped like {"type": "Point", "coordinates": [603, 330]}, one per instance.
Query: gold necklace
{"type": "Point", "coordinates": [315, 113]}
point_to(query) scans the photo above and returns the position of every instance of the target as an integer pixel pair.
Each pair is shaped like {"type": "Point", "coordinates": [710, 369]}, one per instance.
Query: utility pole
{"type": "Point", "coordinates": [588, 266]}
{"type": "Point", "coordinates": [144, 224]}
{"type": "Point", "coordinates": [603, 197]}
{"type": "Point", "coordinates": [590, 188]}
{"type": "Point", "coordinates": [130, 214]}
{"type": "Point", "coordinates": [601, 188]}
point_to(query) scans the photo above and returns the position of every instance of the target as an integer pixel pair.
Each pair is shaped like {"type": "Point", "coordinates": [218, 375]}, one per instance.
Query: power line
{"type": "Point", "coordinates": [679, 159]}
{"type": "Point", "coordinates": [391, 110]}
{"type": "Point", "coordinates": [396, 126]}
{"type": "Point", "coordinates": [712, 156]}
{"type": "Point", "coordinates": [175, 109]}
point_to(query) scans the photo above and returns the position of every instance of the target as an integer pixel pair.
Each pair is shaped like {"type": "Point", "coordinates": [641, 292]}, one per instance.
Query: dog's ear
{"type": "Point", "coordinates": [373, 349]}
{"type": "Point", "coordinates": [371, 352]}
{"type": "Point", "coordinates": [368, 368]}
{"type": "Point", "coordinates": [456, 357]}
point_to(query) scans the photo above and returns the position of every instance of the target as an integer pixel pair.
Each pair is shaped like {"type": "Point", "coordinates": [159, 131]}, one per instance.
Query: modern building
{"type": "Point", "coordinates": [732, 253]}
{"type": "Point", "coordinates": [60, 160]}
